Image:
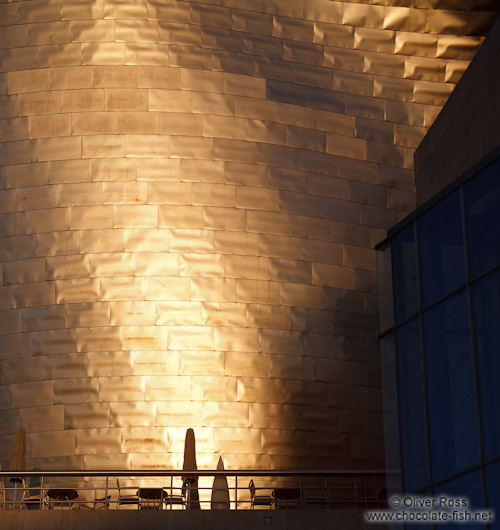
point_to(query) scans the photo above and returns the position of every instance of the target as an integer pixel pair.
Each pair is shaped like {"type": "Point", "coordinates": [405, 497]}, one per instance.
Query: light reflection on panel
{"type": "Point", "coordinates": [188, 199]}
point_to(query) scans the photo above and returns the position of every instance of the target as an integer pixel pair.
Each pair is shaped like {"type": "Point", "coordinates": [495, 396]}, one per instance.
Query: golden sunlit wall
{"type": "Point", "coordinates": [189, 198]}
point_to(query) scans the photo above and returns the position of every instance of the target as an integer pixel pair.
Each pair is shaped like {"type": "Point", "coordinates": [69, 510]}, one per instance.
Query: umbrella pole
{"type": "Point", "coordinates": [41, 492]}
{"type": "Point", "coordinates": [17, 462]}
{"type": "Point", "coordinates": [14, 496]}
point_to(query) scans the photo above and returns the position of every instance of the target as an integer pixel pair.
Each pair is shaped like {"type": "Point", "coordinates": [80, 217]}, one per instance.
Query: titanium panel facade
{"type": "Point", "coordinates": [190, 193]}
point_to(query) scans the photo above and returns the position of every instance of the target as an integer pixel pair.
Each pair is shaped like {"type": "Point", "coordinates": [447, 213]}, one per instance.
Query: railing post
{"type": "Point", "coordinates": [366, 492]}
{"type": "Point", "coordinates": [300, 492]}
{"type": "Point", "coordinates": [41, 492]}
{"type": "Point", "coordinates": [106, 505]}
{"type": "Point", "coordinates": [236, 492]}
{"type": "Point", "coordinates": [172, 490]}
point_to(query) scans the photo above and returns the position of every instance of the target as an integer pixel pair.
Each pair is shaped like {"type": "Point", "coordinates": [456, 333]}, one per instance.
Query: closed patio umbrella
{"type": "Point", "coordinates": [2, 490]}
{"type": "Point", "coordinates": [17, 460]}
{"type": "Point", "coordinates": [190, 482]}
{"type": "Point", "coordinates": [220, 490]}
{"type": "Point", "coordinates": [18, 451]}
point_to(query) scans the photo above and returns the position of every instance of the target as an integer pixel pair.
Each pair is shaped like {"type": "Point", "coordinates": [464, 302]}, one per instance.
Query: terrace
{"type": "Point", "coordinates": [138, 498]}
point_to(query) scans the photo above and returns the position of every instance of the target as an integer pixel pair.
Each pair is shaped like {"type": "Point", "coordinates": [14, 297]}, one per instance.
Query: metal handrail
{"type": "Point", "coordinates": [198, 472]}
{"type": "Point", "coordinates": [362, 494]}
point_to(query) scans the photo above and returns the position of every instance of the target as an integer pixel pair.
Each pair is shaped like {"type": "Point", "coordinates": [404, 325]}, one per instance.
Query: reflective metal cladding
{"type": "Point", "coordinates": [189, 196]}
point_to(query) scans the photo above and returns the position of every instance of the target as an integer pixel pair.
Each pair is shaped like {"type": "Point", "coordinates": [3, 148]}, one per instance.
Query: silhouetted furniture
{"type": "Point", "coordinates": [2, 495]}
{"type": "Point", "coordinates": [16, 489]}
{"type": "Point", "coordinates": [190, 491]}
{"type": "Point", "coordinates": [102, 503]}
{"type": "Point", "coordinates": [33, 498]}
{"type": "Point", "coordinates": [366, 497]}
{"type": "Point", "coordinates": [99, 503]}
{"type": "Point", "coordinates": [61, 497]}
{"type": "Point", "coordinates": [170, 498]}
{"type": "Point", "coordinates": [258, 500]}
{"type": "Point", "coordinates": [316, 495]}
{"type": "Point", "coordinates": [286, 497]}
{"type": "Point", "coordinates": [150, 498]}
{"type": "Point", "coordinates": [124, 499]}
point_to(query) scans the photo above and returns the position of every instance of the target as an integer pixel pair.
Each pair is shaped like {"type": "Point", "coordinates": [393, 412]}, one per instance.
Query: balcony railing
{"type": "Point", "coordinates": [196, 489]}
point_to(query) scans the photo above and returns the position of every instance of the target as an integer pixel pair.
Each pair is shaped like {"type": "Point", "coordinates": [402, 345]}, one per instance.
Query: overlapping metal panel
{"type": "Point", "coordinates": [189, 196]}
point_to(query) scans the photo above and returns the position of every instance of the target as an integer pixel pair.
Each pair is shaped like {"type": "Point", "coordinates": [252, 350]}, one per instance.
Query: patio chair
{"type": "Point", "coordinates": [126, 499]}
{"type": "Point", "coordinates": [366, 497]}
{"type": "Point", "coordinates": [3, 496]}
{"type": "Point", "coordinates": [14, 489]}
{"type": "Point", "coordinates": [171, 498]}
{"type": "Point", "coordinates": [33, 496]}
{"type": "Point", "coordinates": [102, 503]}
{"type": "Point", "coordinates": [317, 495]}
{"type": "Point", "coordinates": [286, 497]}
{"type": "Point", "coordinates": [258, 500]}
{"type": "Point", "coordinates": [99, 503]}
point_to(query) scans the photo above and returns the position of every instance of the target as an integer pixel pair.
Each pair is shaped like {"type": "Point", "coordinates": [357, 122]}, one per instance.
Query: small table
{"type": "Point", "coordinates": [62, 496]}
{"type": "Point", "coordinates": [151, 497]}
{"type": "Point", "coordinates": [286, 497]}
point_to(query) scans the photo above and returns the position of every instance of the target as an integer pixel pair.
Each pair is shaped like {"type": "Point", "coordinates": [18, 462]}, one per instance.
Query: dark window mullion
{"type": "Point", "coordinates": [473, 350]}
{"type": "Point", "coordinates": [422, 358]}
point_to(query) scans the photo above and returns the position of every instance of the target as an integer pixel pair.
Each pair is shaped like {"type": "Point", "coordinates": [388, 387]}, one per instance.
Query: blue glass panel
{"type": "Point", "coordinates": [486, 309]}
{"type": "Point", "coordinates": [493, 492]}
{"type": "Point", "coordinates": [482, 203]}
{"type": "Point", "coordinates": [391, 410]}
{"type": "Point", "coordinates": [450, 387]}
{"type": "Point", "coordinates": [404, 274]}
{"type": "Point", "coordinates": [411, 407]}
{"type": "Point", "coordinates": [385, 290]}
{"type": "Point", "coordinates": [441, 249]}
{"type": "Point", "coordinates": [469, 487]}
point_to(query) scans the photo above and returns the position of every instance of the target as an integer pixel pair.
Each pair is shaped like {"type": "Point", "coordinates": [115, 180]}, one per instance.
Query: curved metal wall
{"type": "Point", "coordinates": [190, 194]}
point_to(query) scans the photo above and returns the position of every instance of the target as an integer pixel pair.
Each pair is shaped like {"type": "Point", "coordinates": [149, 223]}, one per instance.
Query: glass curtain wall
{"type": "Point", "coordinates": [445, 324]}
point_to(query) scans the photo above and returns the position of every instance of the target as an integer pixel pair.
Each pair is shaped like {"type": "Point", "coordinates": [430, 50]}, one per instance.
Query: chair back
{"type": "Point", "coordinates": [24, 488]}
{"type": "Point", "coordinates": [355, 492]}
{"type": "Point", "coordinates": [101, 502]}
{"type": "Point", "coordinates": [35, 487]}
{"type": "Point", "coordinates": [251, 487]}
